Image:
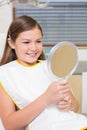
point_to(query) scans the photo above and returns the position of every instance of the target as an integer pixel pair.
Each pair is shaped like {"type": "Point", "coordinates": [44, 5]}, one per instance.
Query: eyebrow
{"type": "Point", "coordinates": [30, 39]}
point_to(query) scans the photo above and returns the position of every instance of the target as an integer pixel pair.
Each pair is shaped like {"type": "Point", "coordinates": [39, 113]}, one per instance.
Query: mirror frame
{"type": "Point", "coordinates": [51, 53]}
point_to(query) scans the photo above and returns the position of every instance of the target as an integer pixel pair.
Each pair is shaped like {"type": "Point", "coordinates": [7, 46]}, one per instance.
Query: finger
{"type": "Point", "coordinates": [64, 107]}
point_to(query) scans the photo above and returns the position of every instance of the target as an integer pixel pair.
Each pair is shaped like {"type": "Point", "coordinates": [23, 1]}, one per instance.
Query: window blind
{"type": "Point", "coordinates": [60, 21]}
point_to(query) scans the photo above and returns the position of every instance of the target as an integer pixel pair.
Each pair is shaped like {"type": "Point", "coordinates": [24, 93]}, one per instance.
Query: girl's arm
{"type": "Point", "coordinates": [14, 120]}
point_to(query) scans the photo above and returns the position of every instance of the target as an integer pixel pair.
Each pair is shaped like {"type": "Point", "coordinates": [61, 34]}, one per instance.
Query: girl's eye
{"type": "Point", "coordinates": [26, 42]}
{"type": "Point", "coordinates": [39, 41]}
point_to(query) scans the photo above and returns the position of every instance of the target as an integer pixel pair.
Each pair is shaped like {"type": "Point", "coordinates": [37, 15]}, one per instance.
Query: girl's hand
{"type": "Point", "coordinates": [65, 105]}
{"type": "Point", "coordinates": [69, 103]}
{"type": "Point", "coordinates": [56, 92]}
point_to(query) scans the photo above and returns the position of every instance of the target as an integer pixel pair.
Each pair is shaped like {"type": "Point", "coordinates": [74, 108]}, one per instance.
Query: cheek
{"type": "Point", "coordinates": [20, 50]}
{"type": "Point", "coordinates": [41, 48]}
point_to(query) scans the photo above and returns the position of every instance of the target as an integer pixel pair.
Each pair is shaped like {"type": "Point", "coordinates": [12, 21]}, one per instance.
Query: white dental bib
{"type": "Point", "coordinates": [25, 84]}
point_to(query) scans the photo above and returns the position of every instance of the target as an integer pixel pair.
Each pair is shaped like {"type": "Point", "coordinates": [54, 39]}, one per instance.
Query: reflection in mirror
{"type": "Point", "coordinates": [63, 59]}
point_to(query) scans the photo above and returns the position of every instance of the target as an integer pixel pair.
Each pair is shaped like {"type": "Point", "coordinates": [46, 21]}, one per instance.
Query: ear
{"type": "Point", "coordinates": [11, 43]}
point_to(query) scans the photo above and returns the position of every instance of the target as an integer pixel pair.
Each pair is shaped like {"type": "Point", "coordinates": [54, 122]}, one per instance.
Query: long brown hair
{"type": "Point", "coordinates": [19, 25]}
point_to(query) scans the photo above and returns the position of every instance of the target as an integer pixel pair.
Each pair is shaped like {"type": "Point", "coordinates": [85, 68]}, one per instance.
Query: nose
{"type": "Point", "coordinates": [33, 46]}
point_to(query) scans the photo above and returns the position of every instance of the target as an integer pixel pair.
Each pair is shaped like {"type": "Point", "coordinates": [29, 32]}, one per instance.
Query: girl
{"type": "Point", "coordinates": [29, 100]}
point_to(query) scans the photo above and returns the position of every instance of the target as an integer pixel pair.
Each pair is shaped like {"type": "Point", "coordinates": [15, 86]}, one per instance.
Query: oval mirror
{"type": "Point", "coordinates": [62, 60]}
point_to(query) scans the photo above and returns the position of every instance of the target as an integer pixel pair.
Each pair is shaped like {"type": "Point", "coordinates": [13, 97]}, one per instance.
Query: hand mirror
{"type": "Point", "coordinates": [62, 60]}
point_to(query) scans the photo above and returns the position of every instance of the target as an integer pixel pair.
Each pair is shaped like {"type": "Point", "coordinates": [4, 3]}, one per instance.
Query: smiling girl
{"type": "Point", "coordinates": [29, 99]}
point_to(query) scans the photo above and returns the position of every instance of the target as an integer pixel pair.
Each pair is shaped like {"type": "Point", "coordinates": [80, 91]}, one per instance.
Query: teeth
{"type": "Point", "coordinates": [32, 54]}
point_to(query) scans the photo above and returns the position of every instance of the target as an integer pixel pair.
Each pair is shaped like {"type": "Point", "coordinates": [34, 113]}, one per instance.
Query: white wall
{"type": "Point", "coordinates": [5, 17]}
{"type": "Point", "coordinates": [82, 54]}
{"type": "Point", "coordinates": [2, 43]}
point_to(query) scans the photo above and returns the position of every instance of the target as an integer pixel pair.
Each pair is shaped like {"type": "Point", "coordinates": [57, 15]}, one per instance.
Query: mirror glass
{"type": "Point", "coordinates": [63, 60]}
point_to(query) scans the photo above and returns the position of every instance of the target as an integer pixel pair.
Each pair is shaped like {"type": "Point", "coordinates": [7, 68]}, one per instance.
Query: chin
{"type": "Point", "coordinates": [33, 62]}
